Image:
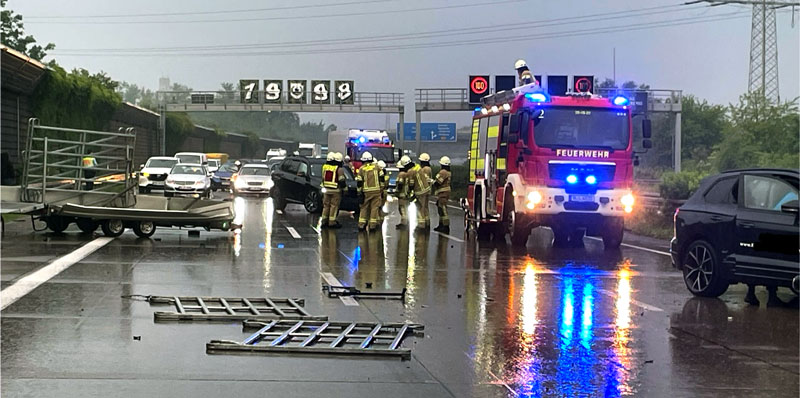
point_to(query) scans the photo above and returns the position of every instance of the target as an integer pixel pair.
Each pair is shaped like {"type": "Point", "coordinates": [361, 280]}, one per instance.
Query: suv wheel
{"type": "Point", "coordinates": [313, 201]}
{"type": "Point", "coordinates": [701, 270]}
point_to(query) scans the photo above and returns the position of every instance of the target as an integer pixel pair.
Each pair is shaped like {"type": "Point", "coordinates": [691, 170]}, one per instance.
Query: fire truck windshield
{"type": "Point", "coordinates": [378, 153]}
{"type": "Point", "coordinates": [581, 127]}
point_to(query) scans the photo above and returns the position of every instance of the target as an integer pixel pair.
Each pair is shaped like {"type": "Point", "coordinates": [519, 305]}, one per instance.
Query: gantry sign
{"type": "Point", "coordinates": [322, 96]}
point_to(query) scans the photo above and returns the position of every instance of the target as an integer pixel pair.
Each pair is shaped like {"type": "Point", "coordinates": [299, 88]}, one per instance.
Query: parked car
{"type": "Point", "coordinates": [192, 158]}
{"type": "Point", "coordinates": [740, 226]}
{"type": "Point", "coordinates": [298, 180]}
{"type": "Point", "coordinates": [154, 172]}
{"type": "Point", "coordinates": [252, 178]}
{"type": "Point", "coordinates": [221, 179]}
{"type": "Point", "coordinates": [188, 179]}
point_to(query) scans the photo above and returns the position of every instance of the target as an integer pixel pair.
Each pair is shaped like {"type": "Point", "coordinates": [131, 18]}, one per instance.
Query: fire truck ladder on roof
{"type": "Point", "coordinates": [196, 308]}
{"type": "Point", "coordinates": [322, 337]}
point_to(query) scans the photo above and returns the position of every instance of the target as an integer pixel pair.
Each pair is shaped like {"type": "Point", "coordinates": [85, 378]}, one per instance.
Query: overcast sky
{"type": "Point", "coordinates": [708, 58]}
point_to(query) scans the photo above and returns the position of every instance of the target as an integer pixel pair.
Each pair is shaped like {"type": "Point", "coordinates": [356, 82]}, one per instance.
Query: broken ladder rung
{"type": "Point", "coordinates": [200, 308]}
{"type": "Point", "coordinates": [343, 291]}
{"type": "Point", "coordinates": [322, 337]}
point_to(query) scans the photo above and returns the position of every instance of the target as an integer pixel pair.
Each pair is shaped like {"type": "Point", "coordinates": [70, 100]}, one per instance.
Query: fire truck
{"type": "Point", "coordinates": [355, 142]}
{"type": "Point", "coordinates": [565, 162]}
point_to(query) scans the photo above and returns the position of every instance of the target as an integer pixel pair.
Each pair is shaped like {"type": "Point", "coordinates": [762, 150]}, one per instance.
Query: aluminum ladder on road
{"type": "Point", "coordinates": [198, 308]}
{"type": "Point", "coordinates": [322, 337]}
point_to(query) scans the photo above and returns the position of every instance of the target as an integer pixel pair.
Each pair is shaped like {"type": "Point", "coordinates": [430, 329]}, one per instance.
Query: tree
{"type": "Point", "coordinates": [331, 127]}
{"type": "Point", "coordinates": [702, 127]}
{"type": "Point", "coordinates": [227, 86]}
{"type": "Point", "coordinates": [180, 87]}
{"type": "Point", "coordinates": [13, 35]}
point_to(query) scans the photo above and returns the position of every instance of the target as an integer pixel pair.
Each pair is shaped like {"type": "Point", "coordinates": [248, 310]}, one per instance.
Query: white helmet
{"type": "Point", "coordinates": [331, 156]}
{"type": "Point", "coordinates": [347, 158]}
{"type": "Point", "coordinates": [382, 164]}
{"type": "Point", "coordinates": [337, 156]}
{"type": "Point", "coordinates": [520, 64]}
{"type": "Point", "coordinates": [424, 157]}
{"type": "Point", "coordinates": [366, 157]}
{"type": "Point", "coordinates": [444, 161]}
{"type": "Point", "coordinates": [404, 161]}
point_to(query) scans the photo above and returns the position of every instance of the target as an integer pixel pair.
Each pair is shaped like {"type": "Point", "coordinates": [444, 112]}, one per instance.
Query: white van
{"type": "Point", "coordinates": [192, 157]}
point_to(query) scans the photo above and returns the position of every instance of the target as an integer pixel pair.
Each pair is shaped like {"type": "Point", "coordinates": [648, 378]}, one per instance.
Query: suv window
{"type": "Point", "coordinates": [767, 192]}
{"type": "Point", "coordinates": [302, 167]}
{"type": "Point", "coordinates": [290, 166]}
{"type": "Point", "coordinates": [316, 169]}
{"type": "Point", "coordinates": [724, 191]}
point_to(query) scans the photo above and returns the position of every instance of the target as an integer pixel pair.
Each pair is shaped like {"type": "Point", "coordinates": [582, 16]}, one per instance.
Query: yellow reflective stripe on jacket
{"type": "Point", "coordinates": [421, 182]}
{"type": "Point", "coordinates": [370, 175]}
{"type": "Point", "coordinates": [88, 161]}
{"type": "Point", "coordinates": [329, 176]}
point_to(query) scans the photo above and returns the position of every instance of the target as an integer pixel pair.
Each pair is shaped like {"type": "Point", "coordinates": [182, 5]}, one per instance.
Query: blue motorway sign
{"type": "Point", "coordinates": [430, 131]}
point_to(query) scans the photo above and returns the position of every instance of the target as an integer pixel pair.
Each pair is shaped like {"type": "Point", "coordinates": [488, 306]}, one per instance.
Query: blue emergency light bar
{"type": "Point", "coordinates": [620, 100]}
{"type": "Point", "coordinates": [537, 97]}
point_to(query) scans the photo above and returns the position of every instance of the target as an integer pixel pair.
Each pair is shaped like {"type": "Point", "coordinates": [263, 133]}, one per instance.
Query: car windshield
{"type": "Point", "coordinates": [254, 171]}
{"type": "Point", "coordinates": [182, 169]}
{"type": "Point", "coordinates": [163, 163]}
{"type": "Point", "coordinates": [189, 158]}
{"type": "Point", "coordinates": [581, 128]}
{"type": "Point", "coordinates": [378, 153]}
{"type": "Point", "coordinates": [229, 167]}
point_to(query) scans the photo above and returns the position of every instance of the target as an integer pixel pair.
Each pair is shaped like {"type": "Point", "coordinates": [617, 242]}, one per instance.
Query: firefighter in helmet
{"type": "Point", "coordinates": [369, 183]}
{"type": "Point", "coordinates": [402, 191]}
{"type": "Point", "coordinates": [441, 188]}
{"type": "Point", "coordinates": [524, 74]}
{"type": "Point", "coordinates": [89, 163]}
{"type": "Point", "coordinates": [333, 180]}
{"type": "Point", "coordinates": [419, 182]}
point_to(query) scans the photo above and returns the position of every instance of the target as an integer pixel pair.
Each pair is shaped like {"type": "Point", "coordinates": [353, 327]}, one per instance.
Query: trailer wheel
{"type": "Point", "coordinates": [144, 229]}
{"type": "Point", "coordinates": [113, 228]}
{"type": "Point", "coordinates": [612, 234]}
{"type": "Point", "coordinates": [86, 225]}
{"type": "Point", "coordinates": [57, 224]}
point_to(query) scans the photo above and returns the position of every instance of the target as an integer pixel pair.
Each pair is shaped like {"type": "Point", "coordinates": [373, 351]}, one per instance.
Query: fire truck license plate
{"type": "Point", "coordinates": [581, 198]}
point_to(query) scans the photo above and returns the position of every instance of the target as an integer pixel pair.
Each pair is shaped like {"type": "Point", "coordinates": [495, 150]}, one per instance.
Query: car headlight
{"type": "Point", "coordinates": [535, 197]}
{"type": "Point", "coordinates": [627, 201]}
{"type": "Point", "coordinates": [170, 182]}
{"type": "Point", "coordinates": [270, 184]}
{"type": "Point", "coordinates": [240, 183]}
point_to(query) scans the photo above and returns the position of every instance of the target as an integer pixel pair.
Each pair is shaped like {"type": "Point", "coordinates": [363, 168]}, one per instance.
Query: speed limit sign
{"type": "Point", "coordinates": [344, 91]}
{"type": "Point", "coordinates": [320, 92]}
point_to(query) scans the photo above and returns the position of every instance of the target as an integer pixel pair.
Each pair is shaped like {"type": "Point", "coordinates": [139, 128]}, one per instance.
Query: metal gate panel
{"type": "Point", "coordinates": [198, 308]}
{"type": "Point", "coordinates": [322, 337]}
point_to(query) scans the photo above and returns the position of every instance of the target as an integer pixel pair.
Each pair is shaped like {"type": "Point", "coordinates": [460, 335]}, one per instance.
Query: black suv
{"type": "Point", "coordinates": [740, 226]}
{"type": "Point", "coordinates": [297, 180]}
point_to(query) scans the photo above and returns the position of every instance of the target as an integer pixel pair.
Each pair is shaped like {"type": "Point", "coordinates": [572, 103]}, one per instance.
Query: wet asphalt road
{"type": "Point", "coordinates": [499, 322]}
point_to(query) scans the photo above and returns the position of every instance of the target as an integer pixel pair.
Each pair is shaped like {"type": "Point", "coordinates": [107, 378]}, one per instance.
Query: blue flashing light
{"type": "Point", "coordinates": [537, 97]}
{"type": "Point", "coordinates": [591, 180]}
{"type": "Point", "coordinates": [620, 101]}
{"type": "Point", "coordinates": [478, 109]}
{"type": "Point", "coordinates": [572, 178]}
{"type": "Point", "coordinates": [362, 140]}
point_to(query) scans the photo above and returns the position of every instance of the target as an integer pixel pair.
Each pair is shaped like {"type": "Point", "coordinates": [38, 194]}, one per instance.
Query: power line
{"type": "Point", "coordinates": [169, 14]}
{"type": "Point", "coordinates": [350, 50]}
{"type": "Point", "coordinates": [429, 34]}
{"type": "Point", "coordinates": [281, 18]}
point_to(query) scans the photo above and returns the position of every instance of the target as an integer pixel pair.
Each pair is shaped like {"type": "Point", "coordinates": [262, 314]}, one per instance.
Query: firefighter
{"type": "Point", "coordinates": [425, 164]}
{"type": "Point", "coordinates": [419, 184]}
{"type": "Point", "coordinates": [384, 190]}
{"type": "Point", "coordinates": [333, 180]}
{"type": "Point", "coordinates": [348, 164]}
{"type": "Point", "coordinates": [441, 188]}
{"type": "Point", "coordinates": [402, 192]}
{"type": "Point", "coordinates": [525, 76]}
{"type": "Point", "coordinates": [369, 183]}
{"type": "Point", "coordinates": [89, 163]}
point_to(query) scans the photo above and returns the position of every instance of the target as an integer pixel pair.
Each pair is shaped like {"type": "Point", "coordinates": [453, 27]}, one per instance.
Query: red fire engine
{"type": "Point", "coordinates": [355, 142]}
{"type": "Point", "coordinates": [565, 162]}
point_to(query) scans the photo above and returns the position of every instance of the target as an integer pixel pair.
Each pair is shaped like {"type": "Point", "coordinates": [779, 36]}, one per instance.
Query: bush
{"type": "Point", "coordinates": [677, 186]}
{"type": "Point", "coordinates": [178, 126]}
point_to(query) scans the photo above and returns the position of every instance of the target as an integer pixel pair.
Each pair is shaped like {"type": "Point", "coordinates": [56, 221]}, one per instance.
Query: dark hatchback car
{"type": "Point", "coordinates": [740, 226]}
{"type": "Point", "coordinates": [298, 180]}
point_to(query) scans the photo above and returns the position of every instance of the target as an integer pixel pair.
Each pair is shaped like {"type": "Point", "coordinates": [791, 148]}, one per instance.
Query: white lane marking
{"type": "Point", "coordinates": [293, 232]}
{"type": "Point", "coordinates": [637, 247]}
{"type": "Point", "coordinates": [634, 302]}
{"type": "Point", "coordinates": [450, 237]}
{"type": "Point", "coordinates": [33, 280]}
{"type": "Point", "coordinates": [347, 300]}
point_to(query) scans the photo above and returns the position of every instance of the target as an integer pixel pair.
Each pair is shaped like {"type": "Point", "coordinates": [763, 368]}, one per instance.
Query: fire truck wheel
{"type": "Point", "coordinates": [612, 235]}
{"type": "Point", "coordinates": [560, 236]}
{"type": "Point", "coordinates": [515, 226]}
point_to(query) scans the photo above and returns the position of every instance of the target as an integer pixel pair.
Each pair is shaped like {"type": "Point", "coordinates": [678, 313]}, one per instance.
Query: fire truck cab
{"type": "Point", "coordinates": [565, 162]}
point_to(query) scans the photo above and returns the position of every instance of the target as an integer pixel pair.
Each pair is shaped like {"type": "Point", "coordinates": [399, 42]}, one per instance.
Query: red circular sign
{"type": "Point", "coordinates": [479, 85]}
{"type": "Point", "coordinates": [583, 85]}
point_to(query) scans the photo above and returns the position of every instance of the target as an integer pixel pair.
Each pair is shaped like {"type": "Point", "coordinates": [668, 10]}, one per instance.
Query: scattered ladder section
{"type": "Point", "coordinates": [198, 308]}
{"type": "Point", "coordinates": [322, 337]}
